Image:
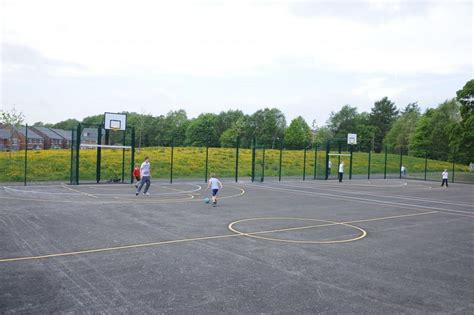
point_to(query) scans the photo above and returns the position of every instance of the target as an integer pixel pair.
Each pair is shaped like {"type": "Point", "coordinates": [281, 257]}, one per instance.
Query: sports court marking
{"type": "Point", "coordinates": [80, 192]}
{"type": "Point", "coordinates": [238, 233]}
{"type": "Point", "coordinates": [381, 195]}
{"type": "Point", "coordinates": [374, 185]}
{"type": "Point", "coordinates": [327, 223]}
{"type": "Point", "coordinates": [132, 198]}
{"type": "Point", "coordinates": [365, 200]}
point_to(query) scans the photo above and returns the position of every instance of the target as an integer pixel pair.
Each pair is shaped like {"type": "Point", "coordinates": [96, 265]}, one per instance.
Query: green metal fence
{"type": "Point", "coordinates": [256, 163]}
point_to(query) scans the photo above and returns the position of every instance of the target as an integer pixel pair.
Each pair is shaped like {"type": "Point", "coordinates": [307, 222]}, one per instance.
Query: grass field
{"type": "Point", "coordinates": [188, 163]}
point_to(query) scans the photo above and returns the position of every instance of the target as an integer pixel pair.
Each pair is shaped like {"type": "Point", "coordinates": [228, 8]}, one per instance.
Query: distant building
{"type": "Point", "coordinates": [89, 136]}
{"type": "Point", "coordinates": [6, 137]}
{"type": "Point", "coordinates": [66, 136]}
{"type": "Point", "coordinates": [51, 139]}
{"type": "Point", "coordinates": [35, 141]}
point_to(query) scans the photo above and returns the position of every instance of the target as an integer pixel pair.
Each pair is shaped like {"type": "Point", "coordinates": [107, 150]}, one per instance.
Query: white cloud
{"type": "Point", "coordinates": [235, 37]}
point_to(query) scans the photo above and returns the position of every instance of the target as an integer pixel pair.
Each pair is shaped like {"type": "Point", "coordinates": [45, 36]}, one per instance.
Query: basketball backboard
{"type": "Point", "coordinates": [115, 121]}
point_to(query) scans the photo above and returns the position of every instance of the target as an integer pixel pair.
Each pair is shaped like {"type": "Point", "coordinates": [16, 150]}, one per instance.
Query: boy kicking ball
{"type": "Point", "coordinates": [215, 185]}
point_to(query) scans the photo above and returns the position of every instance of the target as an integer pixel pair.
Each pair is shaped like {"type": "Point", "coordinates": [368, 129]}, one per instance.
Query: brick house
{"type": "Point", "coordinates": [89, 136]}
{"type": "Point", "coordinates": [66, 136]}
{"type": "Point", "coordinates": [35, 141]}
{"type": "Point", "coordinates": [6, 137]}
{"type": "Point", "coordinates": [51, 139]}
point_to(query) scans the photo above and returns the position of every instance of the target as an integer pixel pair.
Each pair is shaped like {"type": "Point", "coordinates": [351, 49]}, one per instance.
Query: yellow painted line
{"type": "Point", "coordinates": [80, 192]}
{"type": "Point", "coordinates": [238, 233]}
{"type": "Point", "coordinates": [392, 217]}
{"type": "Point", "coordinates": [108, 249]}
{"type": "Point", "coordinates": [328, 223]}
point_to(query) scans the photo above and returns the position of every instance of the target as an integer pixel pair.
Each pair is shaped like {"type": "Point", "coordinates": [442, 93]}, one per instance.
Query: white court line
{"type": "Point", "coordinates": [80, 192]}
{"type": "Point", "coordinates": [332, 183]}
{"type": "Point", "coordinates": [75, 191]}
{"type": "Point", "coordinates": [364, 200]}
{"type": "Point", "coordinates": [39, 192]}
{"type": "Point", "coordinates": [382, 195]}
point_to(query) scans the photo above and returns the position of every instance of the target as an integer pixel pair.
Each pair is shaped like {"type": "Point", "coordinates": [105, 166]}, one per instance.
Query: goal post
{"type": "Point", "coordinates": [339, 150]}
{"type": "Point", "coordinates": [102, 152]}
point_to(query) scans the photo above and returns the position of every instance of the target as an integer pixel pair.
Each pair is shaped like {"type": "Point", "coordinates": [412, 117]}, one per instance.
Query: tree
{"type": "Point", "coordinates": [463, 134]}
{"type": "Point", "coordinates": [238, 130]}
{"type": "Point", "coordinates": [323, 134]}
{"type": "Point", "coordinates": [171, 128]}
{"type": "Point", "coordinates": [68, 124]}
{"type": "Point", "coordinates": [343, 122]}
{"type": "Point", "coordinates": [226, 120]}
{"type": "Point", "coordinates": [267, 126]}
{"type": "Point", "coordinates": [399, 135]}
{"type": "Point", "coordinates": [298, 134]}
{"type": "Point", "coordinates": [382, 115]}
{"type": "Point", "coordinates": [433, 133]}
{"type": "Point", "coordinates": [42, 124]}
{"type": "Point", "coordinates": [11, 119]}
{"type": "Point", "coordinates": [202, 131]}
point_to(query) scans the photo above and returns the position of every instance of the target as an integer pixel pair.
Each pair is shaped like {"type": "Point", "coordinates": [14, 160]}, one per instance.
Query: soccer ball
{"type": "Point", "coordinates": [206, 200]}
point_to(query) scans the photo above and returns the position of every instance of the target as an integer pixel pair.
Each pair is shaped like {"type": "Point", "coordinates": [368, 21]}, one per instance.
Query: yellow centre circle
{"type": "Point", "coordinates": [362, 234]}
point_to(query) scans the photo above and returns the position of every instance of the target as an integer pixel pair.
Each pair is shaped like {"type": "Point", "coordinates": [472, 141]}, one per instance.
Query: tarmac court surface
{"type": "Point", "coordinates": [378, 246]}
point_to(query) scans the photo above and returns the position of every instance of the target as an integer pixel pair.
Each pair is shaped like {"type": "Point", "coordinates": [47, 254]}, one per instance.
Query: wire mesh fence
{"type": "Point", "coordinates": [27, 160]}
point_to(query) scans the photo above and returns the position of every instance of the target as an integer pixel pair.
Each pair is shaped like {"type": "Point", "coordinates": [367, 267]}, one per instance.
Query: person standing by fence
{"type": "Point", "coordinates": [341, 171]}
{"type": "Point", "coordinates": [444, 175]}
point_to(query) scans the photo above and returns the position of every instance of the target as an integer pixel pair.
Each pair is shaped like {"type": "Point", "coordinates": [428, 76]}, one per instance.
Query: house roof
{"type": "Point", "coordinates": [66, 134]}
{"type": "Point", "coordinates": [31, 133]}
{"type": "Point", "coordinates": [89, 134]}
{"type": "Point", "coordinates": [5, 133]}
{"type": "Point", "coordinates": [48, 132]}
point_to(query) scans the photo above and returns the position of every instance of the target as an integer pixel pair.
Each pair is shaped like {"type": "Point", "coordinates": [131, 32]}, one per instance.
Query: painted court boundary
{"type": "Point", "coordinates": [249, 234]}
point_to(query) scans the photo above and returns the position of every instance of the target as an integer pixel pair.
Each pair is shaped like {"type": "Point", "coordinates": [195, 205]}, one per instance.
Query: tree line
{"type": "Point", "coordinates": [435, 133]}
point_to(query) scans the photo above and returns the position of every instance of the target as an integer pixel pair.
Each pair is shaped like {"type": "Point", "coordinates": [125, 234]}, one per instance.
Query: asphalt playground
{"type": "Point", "coordinates": [378, 246]}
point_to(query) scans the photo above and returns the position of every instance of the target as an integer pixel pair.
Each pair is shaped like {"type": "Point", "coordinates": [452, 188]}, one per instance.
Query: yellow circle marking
{"type": "Point", "coordinates": [327, 223]}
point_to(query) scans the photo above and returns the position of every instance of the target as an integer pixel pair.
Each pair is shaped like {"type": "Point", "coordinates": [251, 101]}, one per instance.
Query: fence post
{"type": "Point", "coordinates": [253, 158]}
{"type": "Point", "coordinates": [123, 158]}
{"type": "Point", "coordinates": [78, 148]}
{"type": "Point", "coordinates": [172, 160]}
{"type": "Point", "coordinates": [401, 162]}
{"type": "Point", "coordinates": [315, 160]}
{"type": "Point", "coordinates": [426, 164]}
{"type": "Point", "coordinates": [385, 167]}
{"type": "Point", "coordinates": [263, 165]}
{"type": "Point", "coordinates": [132, 163]}
{"type": "Point", "coordinates": [304, 163]}
{"type": "Point", "coordinates": [237, 160]}
{"type": "Point", "coordinates": [207, 160]}
{"type": "Point", "coordinates": [454, 164]}
{"type": "Point", "coordinates": [281, 157]}
{"type": "Point", "coordinates": [328, 148]}
{"type": "Point", "coordinates": [368, 169]}
{"type": "Point", "coordinates": [26, 152]}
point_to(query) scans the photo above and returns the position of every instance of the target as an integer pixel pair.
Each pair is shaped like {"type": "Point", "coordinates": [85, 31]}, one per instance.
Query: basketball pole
{"type": "Point", "coordinates": [350, 164]}
{"type": "Point", "coordinates": [132, 164]}
{"type": "Point", "coordinates": [99, 151]}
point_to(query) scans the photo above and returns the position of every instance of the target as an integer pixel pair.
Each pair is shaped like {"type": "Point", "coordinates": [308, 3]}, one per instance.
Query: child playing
{"type": "Point", "coordinates": [136, 174]}
{"type": "Point", "coordinates": [444, 175]}
{"type": "Point", "coordinates": [146, 175]}
{"type": "Point", "coordinates": [215, 185]}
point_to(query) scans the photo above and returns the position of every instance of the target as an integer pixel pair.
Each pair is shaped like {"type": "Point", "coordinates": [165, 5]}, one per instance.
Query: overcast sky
{"type": "Point", "coordinates": [71, 59]}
